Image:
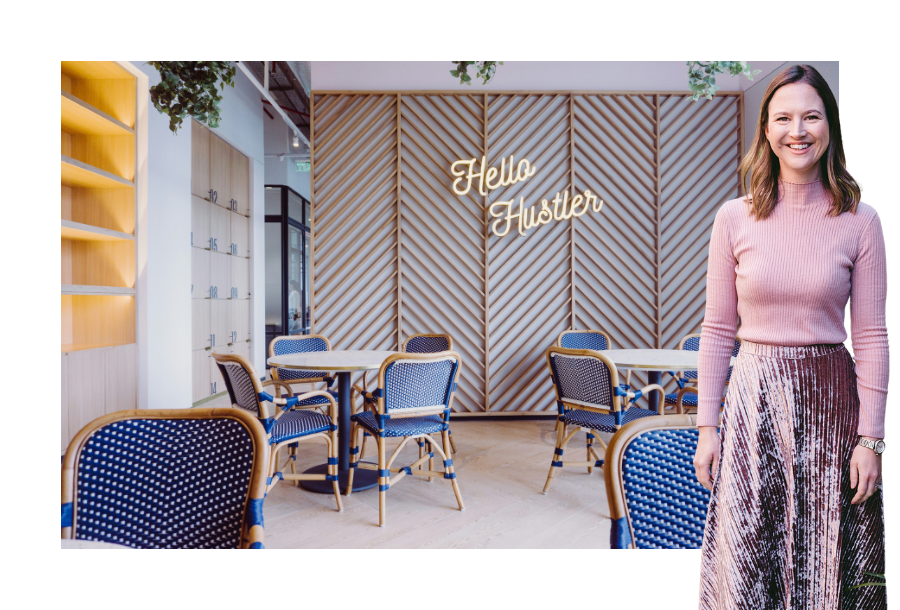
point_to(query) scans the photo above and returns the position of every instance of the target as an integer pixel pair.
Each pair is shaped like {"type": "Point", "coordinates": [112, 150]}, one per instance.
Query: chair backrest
{"type": "Point", "coordinates": [174, 478]}
{"type": "Point", "coordinates": [427, 344]}
{"type": "Point", "coordinates": [418, 382]}
{"type": "Point", "coordinates": [583, 339]}
{"type": "Point", "coordinates": [655, 500]}
{"type": "Point", "coordinates": [298, 344]}
{"type": "Point", "coordinates": [691, 343]}
{"type": "Point", "coordinates": [584, 379]}
{"type": "Point", "coordinates": [242, 384]}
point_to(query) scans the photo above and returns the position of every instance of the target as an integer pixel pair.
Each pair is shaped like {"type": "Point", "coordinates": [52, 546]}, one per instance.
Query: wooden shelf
{"type": "Point", "coordinates": [81, 175]}
{"type": "Point", "coordinates": [78, 231]}
{"type": "Point", "coordinates": [96, 290]}
{"type": "Point", "coordinates": [80, 117]}
{"type": "Point", "coordinates": [77, 347]}
{"type": "Point", "coordinates": [93, 70]}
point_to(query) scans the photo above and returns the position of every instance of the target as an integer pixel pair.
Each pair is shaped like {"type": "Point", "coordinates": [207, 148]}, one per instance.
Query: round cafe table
{"type": "Point", "coordinates": [344, 363]}
{"type": "Point", "coordinates": [654, 361]}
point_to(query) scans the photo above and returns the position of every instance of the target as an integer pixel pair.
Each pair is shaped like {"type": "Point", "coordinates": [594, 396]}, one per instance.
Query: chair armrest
{"type": "Point", "coordinates": [685, 390]}
{"type": "Point", "coordinates": [278, 384]}
{"type": "Point", "coordinates": [332, 405]}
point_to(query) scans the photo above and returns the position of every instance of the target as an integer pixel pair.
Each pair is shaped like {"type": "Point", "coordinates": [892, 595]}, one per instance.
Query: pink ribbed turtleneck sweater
{"type": "Point", "coordinates": [788, 277]}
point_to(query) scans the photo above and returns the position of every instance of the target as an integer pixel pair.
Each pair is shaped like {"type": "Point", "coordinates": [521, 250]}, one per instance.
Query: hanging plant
{"type": "Point", "coordinates": [485, 70]}
{"type": "Point", "coordinates": [702, 75]}
{"type": "Point", "coordinates": [188, 88]}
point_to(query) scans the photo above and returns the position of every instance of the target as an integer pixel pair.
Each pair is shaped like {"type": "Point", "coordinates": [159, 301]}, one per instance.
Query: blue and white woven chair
{"type": "Point", "coordinates": [686, 395]}
{"type": "Point", "coordinates": [588, 396]}
{"type": "Point", "coordinates": [165, 479]}
{"type": "Point", "coordinates": [301, 344]}
{"type": "Point", "coordinates": [655, 500]}
{"type": "Point", "coordinates": [413, 400]}
{"type": "Point", "coordinates": [296, 420]}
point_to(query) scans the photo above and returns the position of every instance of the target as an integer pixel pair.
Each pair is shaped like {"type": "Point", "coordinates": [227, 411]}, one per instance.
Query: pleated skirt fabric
{"type": "Point", "coordinates": [781, 532]}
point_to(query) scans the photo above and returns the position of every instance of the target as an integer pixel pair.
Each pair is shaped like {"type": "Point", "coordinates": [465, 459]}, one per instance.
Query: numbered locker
{"type": "Point", "coordinates": [200, 366]}
{"type": "Point", "coordinates": [200, 331]}
{"type": "Point", "coordinates": [200, 273]}
{"type": "Point", "coordinates": [217, 385]}
{"type": "Point", "coordinates": [240, 236]}
{"type": "Point", "coordinates": [219, 229]}
{"type": "Point", "coordinates": [219, 275]}
{"type": "Point", "coordinates": [240, 278]}
{"type": "Point", "coordinates": [200, 219]}
{"type": "Point", "coordinates": [219, 322]}
{"type": "Point", "coordinates": [239, 322]}
{"type": "Point", "coordinates": [220, 171]}
{"type": "Point", "coordinates": [240, 183]}
{"type": "Point", "coordinates": [242, 349]}
{"type": "Point", "coordinates": [199, 160]}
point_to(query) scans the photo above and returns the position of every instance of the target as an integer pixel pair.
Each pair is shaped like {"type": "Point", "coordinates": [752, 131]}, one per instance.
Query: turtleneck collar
{"type": "Point", "coordinates": [804, 194]}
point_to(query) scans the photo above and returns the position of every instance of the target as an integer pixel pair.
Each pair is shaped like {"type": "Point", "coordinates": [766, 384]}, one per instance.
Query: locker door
{"type": "Point", "coordinates": [217, 385]}
{"type": "Point", "coordinates": [240, 183]}
{"type": "Point", "coordinates": [240, 319]}
{"type": "Point", "coordinates": [220, 171]}
{"type": "Point", "coordinates": [218, 322]}
{"type": "Point", "coordinates": [200, 366]}
{"type": "Point", "coordinates": [219, 275]}
{"type": "Point", "coordinates": [240, 236]}
{"type": "Point", "coordinates": [200, 329]}
{"type": "Point", "coordinates": [240, 281]}
{"type": "Point", "coordinates": [219, 229]}
{"type": "Point", "coordinates": [199, 160]}
{"type": "Point", "coordinates": [201, 279]}
{"type": "Point", "coordinates": [200, 222]}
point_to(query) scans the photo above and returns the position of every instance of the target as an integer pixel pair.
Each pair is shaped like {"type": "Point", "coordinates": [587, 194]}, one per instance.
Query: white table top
{"type": "Point", "coordinates": [334, 360]}
{"type": "Point", "coordinates": [91, 544]}
{"type": "Point", "coordinates": [654, 359]}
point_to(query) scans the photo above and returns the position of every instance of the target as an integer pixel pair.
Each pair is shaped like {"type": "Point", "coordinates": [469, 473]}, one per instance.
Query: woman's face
{"type": "Point", "coordinates": [797, 130]}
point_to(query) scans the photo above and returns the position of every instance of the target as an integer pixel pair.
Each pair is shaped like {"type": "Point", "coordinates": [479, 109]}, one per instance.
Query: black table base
{"type": "Point", "coordinates": [363, 479]}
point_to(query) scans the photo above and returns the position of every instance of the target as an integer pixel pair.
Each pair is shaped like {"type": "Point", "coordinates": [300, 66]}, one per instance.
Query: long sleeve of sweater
{"type": "Point", "coordinates": [719, 322]}
{"type": "Point", "coordinates": [788, 279]}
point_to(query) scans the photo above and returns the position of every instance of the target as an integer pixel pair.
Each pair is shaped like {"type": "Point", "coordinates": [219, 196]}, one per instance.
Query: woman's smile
{"type": "Point", "coordinates": [797, 131]}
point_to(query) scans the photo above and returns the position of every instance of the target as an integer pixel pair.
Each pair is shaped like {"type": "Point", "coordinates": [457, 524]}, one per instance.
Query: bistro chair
{"type": "Point", "coordinates": [301, 344]}
{"type": "Point", "coordinates": [296, 420]}
{"type": "Point", "coordinates": [655, 500]}
{"type": "Point", "coordinates": [588, 396]}
{"type": "Point", "coordinates": [686, 395]}
{"type": "Point", "coordinates": [164, 479]}
{"type": "Point", "coordinates": [412, 401]}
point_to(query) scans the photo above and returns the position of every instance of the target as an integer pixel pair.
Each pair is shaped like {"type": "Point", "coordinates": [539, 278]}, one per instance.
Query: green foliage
{"type": "Point", "coordinates": [188, 88]}
{"type": "Point", "coordinates": [871, 584]}
{"type": "Point", "coordinates": [702, 75]}
{"type": "Point", "coordinates": [485, 70]}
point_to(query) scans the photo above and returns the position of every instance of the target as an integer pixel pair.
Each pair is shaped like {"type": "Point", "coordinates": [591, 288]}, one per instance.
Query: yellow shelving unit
{"type": "Point", "coordinates": [97, 233]}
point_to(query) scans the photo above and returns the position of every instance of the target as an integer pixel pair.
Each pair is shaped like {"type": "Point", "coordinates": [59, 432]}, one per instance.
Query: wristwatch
{"type": "Point", "coordinates": [876, 446]}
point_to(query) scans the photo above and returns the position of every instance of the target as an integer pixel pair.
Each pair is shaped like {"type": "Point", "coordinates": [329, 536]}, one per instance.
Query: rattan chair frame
{"type": "Point", "coordinates": [563, 436]}
{"type": "Point", "coordinates": [690, 385]}
{"type": "Point", "coordinates": [385, 463]}
{"type": "Point", "coordinates": [273, 371]}
{"type": "Point", "coordinates": [274, 474]}
{"type": "Point", "coordinates": [252, 536]}
{"type": "Point", "coordinates": [614, 471]}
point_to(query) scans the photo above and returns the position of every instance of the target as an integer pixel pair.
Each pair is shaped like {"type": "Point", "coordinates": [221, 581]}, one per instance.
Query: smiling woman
{"type": "Point", "coordinates": [796, 516]}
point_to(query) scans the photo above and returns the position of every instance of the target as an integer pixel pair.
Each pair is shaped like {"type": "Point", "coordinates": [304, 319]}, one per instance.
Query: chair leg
{"type": "Point", "coordinates": [333, 468]}
{"type": "Point", "coordinates": [430, 450]}
{"type": "Point", "coordinates": [292, 450]}
{"type": "Point", "coordinates": [448, 467]}
{"type": "Point", "coordinates": [452, 444]}
{"type": "Point", "coordinates": [354, 461]}
{"type": "Point", "coordinates": [590, 443]}
{"type": "Point", "coordinates": [362, 451]}
{"type": "Point", "coordinates": [382, 483]}
{"type": "Point", "coordinates": [557, 453]}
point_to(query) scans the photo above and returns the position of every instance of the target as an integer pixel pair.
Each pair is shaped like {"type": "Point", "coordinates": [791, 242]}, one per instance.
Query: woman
{"type": "Point", "coordinates": [795, 517]}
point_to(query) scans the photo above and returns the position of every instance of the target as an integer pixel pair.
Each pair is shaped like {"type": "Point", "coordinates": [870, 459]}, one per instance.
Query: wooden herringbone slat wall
{"type": "Point", "coordinates": [396, 252]}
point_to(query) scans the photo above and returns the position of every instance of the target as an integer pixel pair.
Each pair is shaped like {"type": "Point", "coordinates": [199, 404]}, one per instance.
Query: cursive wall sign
{"type": "Point", "coordinates": [504, 211]}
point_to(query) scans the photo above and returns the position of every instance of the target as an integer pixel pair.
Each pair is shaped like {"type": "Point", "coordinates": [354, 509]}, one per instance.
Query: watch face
{"type": "Point", "coordinates": [879, 447]}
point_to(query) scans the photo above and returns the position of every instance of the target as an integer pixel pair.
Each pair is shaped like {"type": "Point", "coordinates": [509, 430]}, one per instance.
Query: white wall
{"type": "Point", "coordinates": [164, 252]}
{"type": "Point", "coordinates": [517, 75]}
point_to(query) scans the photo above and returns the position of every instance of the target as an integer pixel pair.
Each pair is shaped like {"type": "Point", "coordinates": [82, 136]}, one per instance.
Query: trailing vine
{"type": "Point", "coordinates": [189, 88]}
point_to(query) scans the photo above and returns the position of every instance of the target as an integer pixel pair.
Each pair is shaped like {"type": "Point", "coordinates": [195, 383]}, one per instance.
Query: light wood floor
{"type": "Point", "coordinates": [501, 468]}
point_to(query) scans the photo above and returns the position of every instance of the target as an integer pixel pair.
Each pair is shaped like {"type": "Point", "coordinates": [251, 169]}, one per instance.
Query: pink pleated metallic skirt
{"type": "Point", "coordinates": [781, 532]}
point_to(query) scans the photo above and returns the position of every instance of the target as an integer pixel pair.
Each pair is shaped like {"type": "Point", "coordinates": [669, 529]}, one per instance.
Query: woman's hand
{"type": "Point", "coordinates": [706, 458]}
{"type": "Point", "coordinates": [865, 472]}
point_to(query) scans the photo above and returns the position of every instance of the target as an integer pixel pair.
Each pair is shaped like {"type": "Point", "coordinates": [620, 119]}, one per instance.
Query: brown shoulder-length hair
{"type": "Point", "coordinates": [763, 165]}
